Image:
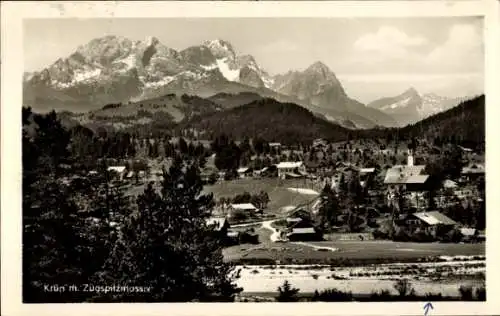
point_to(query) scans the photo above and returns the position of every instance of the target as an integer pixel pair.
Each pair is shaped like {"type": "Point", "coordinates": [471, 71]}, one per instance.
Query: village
{"type": "Point", "coordinates": [277, 196]}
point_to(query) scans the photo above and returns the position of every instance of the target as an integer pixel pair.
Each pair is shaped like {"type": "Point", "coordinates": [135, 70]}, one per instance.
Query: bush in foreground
{"type": "Point", "coordinates": [287, 293]}
{"type": "Point", "coordinates": [332, 295]}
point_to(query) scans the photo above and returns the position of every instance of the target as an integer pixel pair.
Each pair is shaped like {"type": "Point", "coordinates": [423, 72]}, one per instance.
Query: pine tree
{"type": "Point", "coordinates": [53, 246]}
{"type": "Point", "coordinates": [329, 207]}
{"type": "Point", "coordinates": [168, 246]}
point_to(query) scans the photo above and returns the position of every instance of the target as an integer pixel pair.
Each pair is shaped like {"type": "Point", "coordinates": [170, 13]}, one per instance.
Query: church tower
{"type": "Point", "coordinates": [410, 158]}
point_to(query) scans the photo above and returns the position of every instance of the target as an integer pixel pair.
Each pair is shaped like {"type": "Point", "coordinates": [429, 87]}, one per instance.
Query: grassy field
{"type": "Point", "coordinates": [277, 190]}
{"type": "Point", "coordinates": [348, 251]}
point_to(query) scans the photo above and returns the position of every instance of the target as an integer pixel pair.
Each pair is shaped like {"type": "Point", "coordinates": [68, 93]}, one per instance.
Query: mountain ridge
{"type": "Point", "coordinates": [410, 106]}
{"type": "Point", "coordinates": [115, 69]}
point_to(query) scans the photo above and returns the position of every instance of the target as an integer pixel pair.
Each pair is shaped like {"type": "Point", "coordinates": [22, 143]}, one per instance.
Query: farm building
{"type": "Point", "coordinates": [429, 222]}
{"type": "Point", "coordinates": [245, 207]}
{"type": "Point", "coordinates": [245, 172]}
{"type": "Point", "coordinates": [291, 169]}
{"type": "Point", "coordinates": [303, 234]}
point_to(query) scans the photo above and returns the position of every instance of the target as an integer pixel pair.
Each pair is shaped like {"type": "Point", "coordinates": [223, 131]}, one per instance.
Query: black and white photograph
{"type": "Point", "coordinates": [253, 159]}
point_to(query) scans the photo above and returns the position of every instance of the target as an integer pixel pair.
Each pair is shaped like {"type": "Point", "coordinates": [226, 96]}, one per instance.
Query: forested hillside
{"type": "Point", "coordinates": [271, 120]}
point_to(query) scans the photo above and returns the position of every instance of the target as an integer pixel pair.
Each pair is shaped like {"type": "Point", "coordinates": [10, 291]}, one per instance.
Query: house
{"type": "Point", "coordinates": [292, 220]}
{"type": "Point", "coordinates": [449, 184]}
{"type": "Point", "coordinates": [245, 172]}
{"type": "Point", "coordinates": [245, 207]}
{"type": "Point", "coordinates": [407, 178]}
{"type": "Point", "coordinates": [117, 171]}
{"type": "Point", "coordinates": [291, 169]}
{"type": "Point", "coordinates": [233, 237]}
{"type": "Point", "coordinates": [465, 149]}
{"type": "Point", "coordinates": [473, 171]}
{"type": "Point", "coordinates": [221, 175]}
{"type": "Point", "coordinates": [319, 143]}
{"type": "Point", "coordinates": [366, 175]}
{"type": "Point", "coordinates": [303, 234]}
{"type": "Point", "coordinates": [270, 171]}
{"type": "Point", "coordinates": [429, 222]}
{"type": "Point", "coordinates": [220, 224]}
{"type": "Point", "coordinates": [468, 234]}
{"type": "Point", "coordinates": [275, 146]}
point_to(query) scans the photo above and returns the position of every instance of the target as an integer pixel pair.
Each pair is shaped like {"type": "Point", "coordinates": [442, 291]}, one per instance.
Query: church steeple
{"type": "Point", "coordinates": [410, 158]}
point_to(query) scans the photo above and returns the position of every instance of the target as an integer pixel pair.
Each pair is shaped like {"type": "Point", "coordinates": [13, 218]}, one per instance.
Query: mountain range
{"type": "Point", "coordinates": [114, 69]}
{"type": "Point", "coordinates": [410, 107]}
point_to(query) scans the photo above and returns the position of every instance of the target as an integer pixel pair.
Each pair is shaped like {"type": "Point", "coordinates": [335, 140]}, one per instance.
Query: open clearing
{"type": "Point", "coordinates": [280, 195]}
{"type": "Point", "coordinates": [289, 252]}
{"type": "Point", "coordinates": [280, 191]}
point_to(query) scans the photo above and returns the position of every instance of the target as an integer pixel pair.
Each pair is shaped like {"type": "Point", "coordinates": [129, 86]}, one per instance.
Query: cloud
{"type": "Point", "coordinates": [393, 50]}
{"type": "Point", "coordinates": [280, 47]}
{"type": "Point", "coordinates": [461, 50]}
{"type": "Point", "coordinates": [388, 41]}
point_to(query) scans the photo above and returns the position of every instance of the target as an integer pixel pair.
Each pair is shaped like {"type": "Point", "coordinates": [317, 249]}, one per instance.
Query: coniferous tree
{"type": "Point", "coordinates": [168, 246]}
{"type": "Point", "coordinates": [329, 207]}
{"type": "Point", "coordinates": [53, 246]}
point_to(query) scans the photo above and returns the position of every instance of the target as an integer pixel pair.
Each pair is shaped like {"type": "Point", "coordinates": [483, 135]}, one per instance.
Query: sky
{"type": "Point", "coordinates": [372, 57]}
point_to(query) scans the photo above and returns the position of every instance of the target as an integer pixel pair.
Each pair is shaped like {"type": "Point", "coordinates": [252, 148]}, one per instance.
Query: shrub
{"type": "Point", "coordinates": [332, 295]}
{"type": "Point", "coordinates": [466, 293]}
{"type": "Point", "coordinates": [481, 293]}
{"type": "Point", "coordinates": [404, 288]}
{"type": "Point", "coordinates": [287, 293]}
{"type": "Point", "coordinates": [433, 296]}
{"type": "Point", "coordinates": [383, 295]}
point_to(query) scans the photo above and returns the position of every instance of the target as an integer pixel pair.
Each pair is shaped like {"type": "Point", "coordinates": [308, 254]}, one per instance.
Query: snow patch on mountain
{"type": "Point", "coordinates": [400, 104]}
{"type": "Point", "coordinates": [268, 81]}
{"type": "Point", "coordinates": [162, 82]}
{"type": "Point", "coordinates": [85, 75]}
{"type": "Point", "coordinates": [79, 76]}
{"type": "Point", "coordinates": [129, 61]}
{"type": "Point", "coordinates": [210, 67]}
{"type": "Point", "coordinates": [227, 72]}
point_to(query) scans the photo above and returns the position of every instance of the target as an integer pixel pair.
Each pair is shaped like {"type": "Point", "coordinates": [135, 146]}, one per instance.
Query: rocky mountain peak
{"type": "Point", "coordinates": [151, 41]}
{"type": "Point", "coordinates": [322, 71]}
{"type": "Point", "coordinates": [411, 92]}
{"type": "Point", "coordinates": [220, 48]}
